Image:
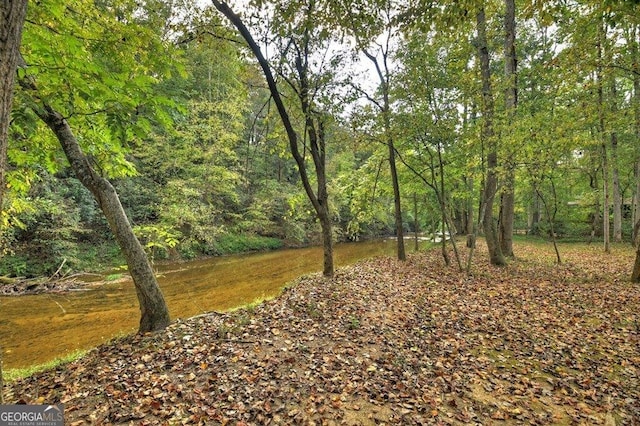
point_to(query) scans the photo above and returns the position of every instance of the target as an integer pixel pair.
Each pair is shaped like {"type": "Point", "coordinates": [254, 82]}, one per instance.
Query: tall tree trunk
{"type": "Point", "coordinates": [635, 274]}
{"type": "Point", "coordinates": [468, 182]}
{"type": "Point", "coordinates": [636, 201]}
{"type": "Point", "coordinates": [315, 130]}
{"type": "Point", "coordinates": [615, 173]}
{"type": "Point", "coordinates": [12, 14]}
{"type": "Point", "coordinates": [507, 212]}
{"type": "Point", "coordinates": [383, 75]}
{"type": "Point", "coordinates": [602, 131]}
{"type": "Point", "coordinates": [385, 109]}
{"type": "Point", "coordinates": [595, 223]}
{"type": "Point", "coordinates": [327, 243]}
{"type": "Point", "coordinates": [154, 311]}
{"type": "Point", "coordinates": [617, 197]}
{"type": "Point", "coordinates": [507, 207]}
{"type": "Point", "coordinates": [447, 226]}
{"type": "Point", "coordinates": [606, 223]}
{"type": "Point", "coordinates": [468, 215]}
{"type": "Point", "coordinates": [534, 214]}
{"type": "Point", "coordinates": [488, 136]}
{"type": "Point", "coordinates": [396, 200]}
{"type": "Point", "coordinates": [636, 110]}
{"type": "Point", "coordinates": [416, 222]}
{"type": "Point", "coordinates": [319, 200]}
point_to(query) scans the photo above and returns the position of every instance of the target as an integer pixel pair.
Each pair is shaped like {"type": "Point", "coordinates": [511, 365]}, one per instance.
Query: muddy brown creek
{"type": "Point", "coordinates": [38, 328]}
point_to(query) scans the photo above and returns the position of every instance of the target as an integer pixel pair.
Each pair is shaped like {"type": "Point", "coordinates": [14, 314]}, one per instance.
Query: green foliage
{"type": "Point", "coordinates": [157, 240]}
{"type": "Point", "coordinates": [13, 265]}
{"type": "Point", "coordinates": [97, 66]}
{"type": "Point", "coordinates": [182, 124]}
{"type": "Point", "coordinates": [113, 277]}
{"type": "Point", "coordinates": [229, 243]}
{"type": "Point", "coordinates": [47, 233]}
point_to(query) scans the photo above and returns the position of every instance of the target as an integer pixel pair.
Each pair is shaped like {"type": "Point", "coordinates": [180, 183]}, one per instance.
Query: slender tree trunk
{"type": "Point", "coordinates": [468, 182]}
{"type": "Point", "coordinates": [396, 201]}
{"type": "Point", "coordinates": [319, 200]}
{"type": "Point", "coordinates": [438, 187]}
{"type": "Point", "coordinates": [636, 110]}
{"type": "Point", "coordinates": [327, 243]}
{"type": "Point", "coordinates": [434, 229]}
{"type": "Point", "coordinates": [636, 205]}
{"type": "Point", "coordinates": [636, 201]}
{"type": "Point", "coordinates": [617, 197]}
{"type": "Point", "coordinates": [602, 128]}
{"type": "Point", "coordinates": [534, 214]}
{"type": "Point", "coordinates": [12, 14]}
{"type": "Point", "coordinates": [594, 184]}
{"type": "Point", "coordinates": [615, 173]}
{"type": "Point", "coordinates": [416, 222]}
{"type": "Point", "coordinates": [553, 232]}
{"type": "Point", "coordinates": [445, 216]}
{"type": "Point", "coordinates": [635, 274]}
{"type": "Point", "coordinates": [507, 213]}
{"type": "Point", "coordinates": [595, 224]}
{"type": "Point", "coordinates": [507, 208]}
{"type": "Point", "coordinates": [385, 110]}
{"type": "Point", "coordinates": [551, 217]}
{"type": "Point", "coordinates": [488, 135]}
{"type": "Point", "coordinates": [318, 143]}
{"type": "Point", "coordinates": [443, 239]}
{"type": "Point", "coordinates": [154, 312]}
{"type": "Point", "coordinates": [606, 223]}
{"type": "Point", "coordinates": [469, 207]}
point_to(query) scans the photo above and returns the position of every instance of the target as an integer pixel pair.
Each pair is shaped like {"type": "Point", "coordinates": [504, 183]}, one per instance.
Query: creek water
{"type": "Point", "coordinates": [38, 328]}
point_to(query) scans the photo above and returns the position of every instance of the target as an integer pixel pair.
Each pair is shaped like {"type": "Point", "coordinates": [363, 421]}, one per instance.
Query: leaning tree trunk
{"type": "Point", "coordinates": [12, 14]}
{"type": "Point", "coordinates": [154, 312]}
{"type": "Point", "coordinates": [319, 200]}
{"type": "Point", "coordinates": [317, 143]}
{"type": "Point", "coordinates": [491, 181]}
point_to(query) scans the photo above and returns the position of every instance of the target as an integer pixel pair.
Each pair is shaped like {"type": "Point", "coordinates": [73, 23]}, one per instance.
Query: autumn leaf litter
{"type": "Point", "coordinates": [384, 342]}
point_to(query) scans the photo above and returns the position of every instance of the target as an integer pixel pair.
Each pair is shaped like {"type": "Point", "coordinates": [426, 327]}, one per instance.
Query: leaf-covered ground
{"type": "Point", "coordinates": [384, 342]}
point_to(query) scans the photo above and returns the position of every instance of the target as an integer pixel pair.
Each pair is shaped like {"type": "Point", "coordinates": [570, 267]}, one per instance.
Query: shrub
{"type": "Point", "coordinates": [234, 243]}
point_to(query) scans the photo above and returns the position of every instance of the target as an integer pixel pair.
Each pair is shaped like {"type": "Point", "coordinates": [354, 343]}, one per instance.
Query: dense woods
{"type": "Point", "coordinates": [302, 122]}
{"type": "Point", "coordinates": [138, 131]}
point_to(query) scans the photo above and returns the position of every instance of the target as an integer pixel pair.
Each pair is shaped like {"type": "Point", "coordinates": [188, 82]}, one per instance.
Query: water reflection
{"type": "Point", "coordinates": [38, 328]}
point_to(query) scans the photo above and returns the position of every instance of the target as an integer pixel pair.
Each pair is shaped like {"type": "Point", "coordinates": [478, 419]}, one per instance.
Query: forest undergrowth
{"type": "Point", "coordinates": [384, 342]}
